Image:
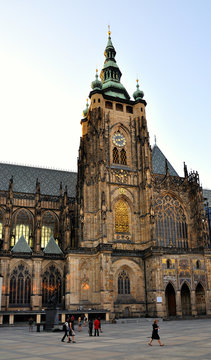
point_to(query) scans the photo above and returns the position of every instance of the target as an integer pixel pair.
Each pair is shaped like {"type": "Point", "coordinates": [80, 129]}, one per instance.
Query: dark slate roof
{"type": "Point", "coordinates": [21, 246]}
{"type": "Point", "coordinates": [24, 179]}
{"type": "Point", "coordinates": [207, 196]}
{"type": "Point", "coordinates": [52, 247]}
{"type": "Point", "coordinates": [159, 163]}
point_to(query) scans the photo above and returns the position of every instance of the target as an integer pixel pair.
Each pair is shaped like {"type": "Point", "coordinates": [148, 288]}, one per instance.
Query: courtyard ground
{"type": "Point", "coordinates": [126, 340]}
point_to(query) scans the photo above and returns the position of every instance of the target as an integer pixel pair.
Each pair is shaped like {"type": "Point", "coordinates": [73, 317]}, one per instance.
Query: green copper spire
{"type": "Point", "coordinates": [111, 74]}
{"type": "Point", "coordinates": [138, 94]}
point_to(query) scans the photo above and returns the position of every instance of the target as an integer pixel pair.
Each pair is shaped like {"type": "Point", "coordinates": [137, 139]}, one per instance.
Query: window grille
{"type": "Point", "coordinates": [115, 156]}
{"type": "Point", "coordinates": [123, 157]}
{"type": "Point", "coordinates": [121, 217]}
{"type": "Point", "coordinates": [20, 286]}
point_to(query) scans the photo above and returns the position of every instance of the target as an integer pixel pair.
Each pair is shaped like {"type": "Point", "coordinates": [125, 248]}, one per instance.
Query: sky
{"type": "Point", "coordinates": [50, 49]}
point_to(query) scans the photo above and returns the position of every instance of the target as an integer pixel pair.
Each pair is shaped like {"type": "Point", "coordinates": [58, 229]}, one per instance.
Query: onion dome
{"type": "Point", "coordinates": [86, 110]}
{"type": "Point", "coordinates": [96, 84]}
{"type": "Point", "coordinates": [138, 94]}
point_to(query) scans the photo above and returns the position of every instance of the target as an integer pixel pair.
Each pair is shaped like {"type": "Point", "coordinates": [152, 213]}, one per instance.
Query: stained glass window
{"type": "Point", "coordinates": [20, 286]}
{"type": "Point", "coordinates": [170, 221]}
{"type": "Point", "coordinates": [1, 225]}
{"type": "Point", "coordinates": [121, 217]}
{"type": "Point", "coordinates": [49, 227]}
{"type": "Point", "coordinates": [52, 286]}
{"type": "Point", "coordinates": [22, 225]}
{"type": "Point", "coordinates": [123, 283]}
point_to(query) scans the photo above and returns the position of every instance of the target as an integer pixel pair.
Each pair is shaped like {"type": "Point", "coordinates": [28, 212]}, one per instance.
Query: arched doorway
{"type": "Point", "coordinates": [170, 300]}
{"type": "Point", "coordinates": [185, 300]}
{"type": "Point", "coordinates": [200, 300]}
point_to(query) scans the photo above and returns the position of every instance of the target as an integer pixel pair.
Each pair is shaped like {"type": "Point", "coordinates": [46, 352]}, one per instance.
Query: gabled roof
{"type": "Point", "coordinates": [159, 163]}
{"type": "Point", "coordinates": [52, 247]}
{"type": "Point", "coordinates": [21, 246]}
{"type": "Point", "coordinates": [24, 179]}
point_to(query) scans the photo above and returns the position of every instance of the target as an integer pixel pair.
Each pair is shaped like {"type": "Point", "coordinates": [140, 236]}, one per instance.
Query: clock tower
{"type": "Point", "coordinates": [114, 166]}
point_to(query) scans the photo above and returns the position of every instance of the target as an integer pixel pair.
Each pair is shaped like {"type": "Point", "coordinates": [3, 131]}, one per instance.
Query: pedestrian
{"type": "Point", "coordinates": [79, 324]}
{"type": "Point", "coordinates": [66, 329]}
{"type": "Point", "coordinates": [31, 321]}
{"type": "Point", "coordinates": [100, 325]}
{"type": "Point", "coordinates": [72, 319]}
{"type": "Point", "coordinates": [155, 335]}
{"type": "Point", "coordinates": [72, 332]}
{"type": "Point", "coordinates": [96, 326]}
{"type": "Point", "coordinates": [90, 327]}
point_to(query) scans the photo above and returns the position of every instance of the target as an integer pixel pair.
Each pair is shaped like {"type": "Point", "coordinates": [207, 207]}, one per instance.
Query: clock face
{"type": "Point", "coordinates": [118, 139]}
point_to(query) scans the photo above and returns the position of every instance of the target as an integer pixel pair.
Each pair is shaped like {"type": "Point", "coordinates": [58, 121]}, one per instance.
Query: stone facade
{"type": "Point", "coordinates": [131, 240]}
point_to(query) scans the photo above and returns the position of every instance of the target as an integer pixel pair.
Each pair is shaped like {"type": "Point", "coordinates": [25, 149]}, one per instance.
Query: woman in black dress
{"type": "Point", "coordinates": [155, 335]}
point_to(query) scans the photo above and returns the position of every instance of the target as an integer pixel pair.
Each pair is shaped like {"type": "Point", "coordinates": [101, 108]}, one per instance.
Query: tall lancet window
{"type": "Point", "coordinates": [170, 222]}
{"type": "Point", "coordinates": [115, 156]}
{"type": "Point", "coordinates": [123, 157]}
{"type": "Point", "coordinates": [123, 283]}
{"type": "Point", "coordinates": [121, 217]}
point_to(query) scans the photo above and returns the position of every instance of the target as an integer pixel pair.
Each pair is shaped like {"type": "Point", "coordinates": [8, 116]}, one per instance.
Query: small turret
{"type": "Point", "coordinates": [96, 84]}
{"type": "Point", "coordinates": [138, 94]}
{"type": "Point", "coordinates": [85, 112]}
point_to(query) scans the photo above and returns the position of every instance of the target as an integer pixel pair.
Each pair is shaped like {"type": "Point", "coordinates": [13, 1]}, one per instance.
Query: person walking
{"type": "Point", "coordinates": [155, 335]}
{"type": "Point", "coordinates": [79, 324]}
{"type": "Point", "coordinates": [31, 321]}
{"type": "Point", "coordinates": [96, 326]}
{"type": "Point", "coordinates": [90, 327]}
{"type": "Point", "coordinates": [66, 330]}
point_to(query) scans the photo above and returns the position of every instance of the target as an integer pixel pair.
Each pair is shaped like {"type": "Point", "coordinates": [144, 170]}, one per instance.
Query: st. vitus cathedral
{"type": "Point", "coordinates": [125, 234]}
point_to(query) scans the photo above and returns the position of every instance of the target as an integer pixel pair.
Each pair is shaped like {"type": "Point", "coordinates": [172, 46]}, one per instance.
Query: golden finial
{"type": "Point", "coordinates": [109, 31]}
{"type": "Point", "coordinates": [96, 70]}
{"type": "Point", "coordinates": [87, 100]}
{"type": "Point", "coordinates": [137, 80]}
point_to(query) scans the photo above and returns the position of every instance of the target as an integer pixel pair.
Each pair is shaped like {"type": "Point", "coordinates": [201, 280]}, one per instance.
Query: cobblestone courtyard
{"type": "Point", "coordinates": [184, 339]}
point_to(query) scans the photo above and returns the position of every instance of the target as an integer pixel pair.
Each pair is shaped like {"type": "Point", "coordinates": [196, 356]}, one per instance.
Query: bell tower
{"type": "Point", "coordinates": [115, 164]}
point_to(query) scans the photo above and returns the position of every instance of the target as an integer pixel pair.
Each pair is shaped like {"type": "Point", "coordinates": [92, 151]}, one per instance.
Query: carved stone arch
{"type": "Point", "coordinates": [170, 296]}
{"type": "Point", "coordinates": [22, 224]}
{"type": "Point", "coordinates": [200, 299]}
{"type": "Point", "coordinates": [176, 197]}
{"type": "Point", "coordinates": [136, 276]}
{"type": "Point", "coordinates": [171, 225]}
{"type": "Point", "coordinates": [120, 154]}
{"type": "Point", "coordinates": [185, 298]}
{"type": "Point", "coordinates": [49, 227]}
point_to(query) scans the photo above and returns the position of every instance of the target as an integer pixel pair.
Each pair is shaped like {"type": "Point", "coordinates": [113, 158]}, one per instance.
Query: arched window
{"type": "Point", "coordinates": [22, 225]}
{"type": "Point", "coordinates": [168, 264]}
{"type": "Point", "coordinates": [123, 157]}
{"type": "Point", "coordinates": [1, 225]}
{"type": "Point", "coordinates": [170, 222]}
{"type": "Point", "coordinates": [121, 217]}
{"type": "Point", "coordinates": [49, 228]}
{"type": "Point", "coordinates": [123, 283]}
{"type": "Point", "coordinates": [115, 156]}
{"type": "Point", "coordinates": [198, 264]}
{"type": "Point", "coordinates": [52, 286]}
{"type": "Point", "coordinates": [20, 286]}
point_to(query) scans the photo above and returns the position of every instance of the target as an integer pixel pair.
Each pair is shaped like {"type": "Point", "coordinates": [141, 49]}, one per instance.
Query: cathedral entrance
{"type": "Point", "coordinates": [185, 300]}
{"type": "Point", "coordinates": [200, 300]}
{"type": "Point", "coordinates": [170, 300]}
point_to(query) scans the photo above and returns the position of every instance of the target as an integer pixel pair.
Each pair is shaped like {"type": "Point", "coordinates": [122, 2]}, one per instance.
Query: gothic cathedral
{"type": "Point", "coordinates": [127, 235]}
